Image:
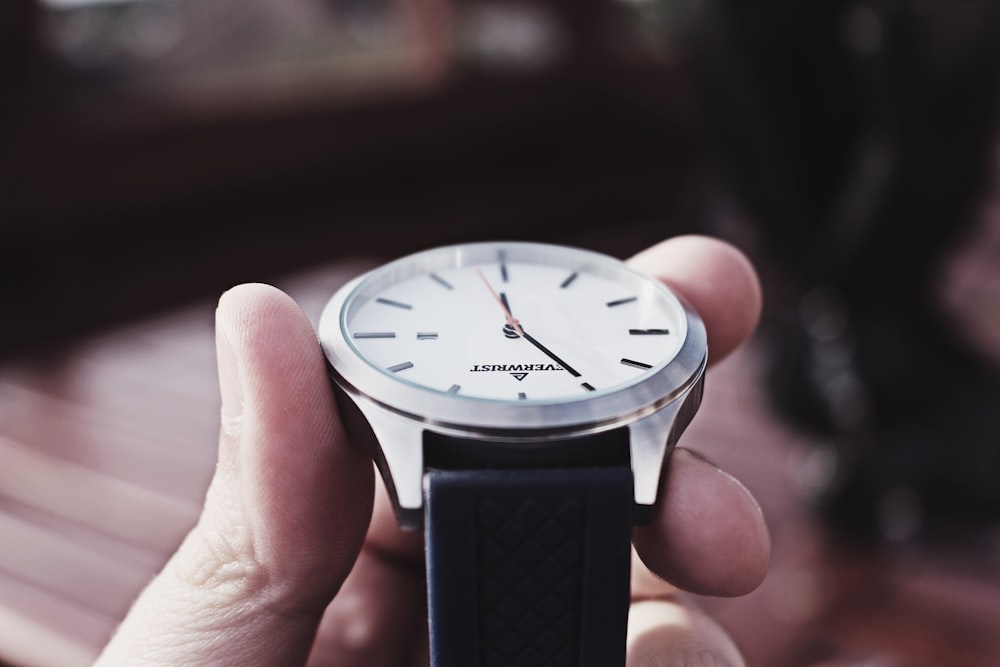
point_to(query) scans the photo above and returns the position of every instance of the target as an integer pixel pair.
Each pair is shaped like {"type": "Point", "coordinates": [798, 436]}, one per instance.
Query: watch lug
{"type": "Point", "coordinates": [653, 437]}
{"type": "Point", "coordinates": [399, 454]}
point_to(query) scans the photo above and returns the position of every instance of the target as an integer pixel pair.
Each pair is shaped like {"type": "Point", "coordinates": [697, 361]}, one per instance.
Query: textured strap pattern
{"type": "Point", "coordinates": [528, 568]}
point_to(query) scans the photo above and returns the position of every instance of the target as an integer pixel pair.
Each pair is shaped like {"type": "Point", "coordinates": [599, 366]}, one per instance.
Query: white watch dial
{"type": "Point", "coordinates": [513, 322]}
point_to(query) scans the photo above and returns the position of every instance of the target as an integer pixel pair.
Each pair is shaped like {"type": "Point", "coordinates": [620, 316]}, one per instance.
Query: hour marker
{"type": "Point", "coordinates": [569, 281]}
{"type": "Point", "coordinates": [427, 335]}
{"type": "Point", "coordinates": [453, 389]}
{"type": "Point", "coordinates": [374, 334]}
{"type": "Point", "coordinates": [521, 396]}
{"type": "Point", "coordinates": [586, 385]}
{"type": "Point", "coordinates": [634, 364]}
{"type": "Point", "coordinates": [618, 302]}
{"type": "Point", "coordinates": [649, 332]}
{"type": "Point", "coordinates": [401, 367]}
{"type": "Point", "coordinates": [441, 281]}
{"type": "Point", "coordinates": [397, 304]}
{"type": "Point", "coordinates": [502, 257]}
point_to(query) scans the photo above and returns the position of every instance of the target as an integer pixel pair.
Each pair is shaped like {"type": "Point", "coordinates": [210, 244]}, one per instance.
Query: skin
{"type": "Point", "coordinates": [297, 559]}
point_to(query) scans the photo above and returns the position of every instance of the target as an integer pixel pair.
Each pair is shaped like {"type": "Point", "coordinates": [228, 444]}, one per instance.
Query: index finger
{"type": "Point", "coordinates": [716, 278]}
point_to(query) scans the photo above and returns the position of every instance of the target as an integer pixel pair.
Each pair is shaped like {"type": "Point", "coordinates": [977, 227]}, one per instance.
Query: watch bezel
{"type": "Point", "coordinates": [518, 421]}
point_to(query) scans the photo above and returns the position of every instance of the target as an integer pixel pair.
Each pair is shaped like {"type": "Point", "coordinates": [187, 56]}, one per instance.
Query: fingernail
{"type": "Point", "coordinates": [229, 375]}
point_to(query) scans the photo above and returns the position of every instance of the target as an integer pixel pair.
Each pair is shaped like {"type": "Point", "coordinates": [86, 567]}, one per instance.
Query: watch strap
{"type": "Point", "coordinates": [529, 567]}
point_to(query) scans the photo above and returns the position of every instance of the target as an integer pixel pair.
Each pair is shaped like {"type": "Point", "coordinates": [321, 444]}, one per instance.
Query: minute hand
{"type": "Point", "coordinates": [528, 337]}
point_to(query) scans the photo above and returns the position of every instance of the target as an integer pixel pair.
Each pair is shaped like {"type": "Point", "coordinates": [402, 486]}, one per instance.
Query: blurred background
{"type": "Point", "coordinates": [155, 152]}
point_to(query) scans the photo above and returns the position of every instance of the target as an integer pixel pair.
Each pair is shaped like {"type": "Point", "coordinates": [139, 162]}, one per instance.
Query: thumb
{"type": "Point", "coordinates": [284, 516]}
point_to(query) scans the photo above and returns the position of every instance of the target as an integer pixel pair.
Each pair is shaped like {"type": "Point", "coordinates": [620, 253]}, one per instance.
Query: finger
{"type": "Point", "coordinates": [665, 633]}
{"type": "Point", "coordinates": [378, 619]}
{"type": "Point", "coordinates": [384, 596]}
{"type": "Point", "coordinates": [716, 278]}
{"type": "Point", "coordinates": [648, 586]}
{"type": "Point", "coordinates": [708, 534]}
{"type": "Point", "coordinates": [285, 514]}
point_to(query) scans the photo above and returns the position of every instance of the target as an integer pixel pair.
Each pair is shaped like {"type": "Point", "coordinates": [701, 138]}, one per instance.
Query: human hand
{"type": "Point", "coordinates": [290, 563]}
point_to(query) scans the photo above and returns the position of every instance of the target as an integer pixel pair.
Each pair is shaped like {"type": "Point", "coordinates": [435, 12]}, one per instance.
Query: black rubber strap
{"type": "Point", "coordinates": [528, 568]}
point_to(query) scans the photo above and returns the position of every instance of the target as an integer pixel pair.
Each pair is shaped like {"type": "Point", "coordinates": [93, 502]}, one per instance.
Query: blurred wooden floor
{"type": "Point", "coordinates": [106, 451]}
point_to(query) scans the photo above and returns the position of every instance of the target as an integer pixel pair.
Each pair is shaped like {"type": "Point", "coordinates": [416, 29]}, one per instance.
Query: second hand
{"type": "Point", "coordinates": [502, 300]}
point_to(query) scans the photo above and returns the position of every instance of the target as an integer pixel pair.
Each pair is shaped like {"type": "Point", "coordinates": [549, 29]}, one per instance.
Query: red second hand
{"type": "Point", "coordinates": [510, 318]}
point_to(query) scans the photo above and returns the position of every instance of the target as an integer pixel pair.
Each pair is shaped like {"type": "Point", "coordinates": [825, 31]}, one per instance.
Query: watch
{"type": "Point", "coordinates": [520, 401]}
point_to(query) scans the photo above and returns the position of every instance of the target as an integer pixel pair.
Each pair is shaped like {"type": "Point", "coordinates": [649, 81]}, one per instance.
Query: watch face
{"type": "Point", "coordinates": [504, 323]}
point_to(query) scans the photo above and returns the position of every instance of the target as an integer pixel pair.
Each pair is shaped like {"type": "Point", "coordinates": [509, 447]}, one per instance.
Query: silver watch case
{"type": "Point", "coordinates": [655, 409]}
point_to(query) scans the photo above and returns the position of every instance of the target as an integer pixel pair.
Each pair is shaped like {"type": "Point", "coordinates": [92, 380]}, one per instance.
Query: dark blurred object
{"type": "Point", "coordinates": [166, 149]}
{"type": "Point", "coordinates": [859, 137]}
{"type": "Point", "coordinates": [18, 43]}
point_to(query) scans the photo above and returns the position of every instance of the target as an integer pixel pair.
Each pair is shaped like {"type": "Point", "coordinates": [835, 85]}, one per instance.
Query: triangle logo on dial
{"type": "Point", "coordinates": [519, 376]}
